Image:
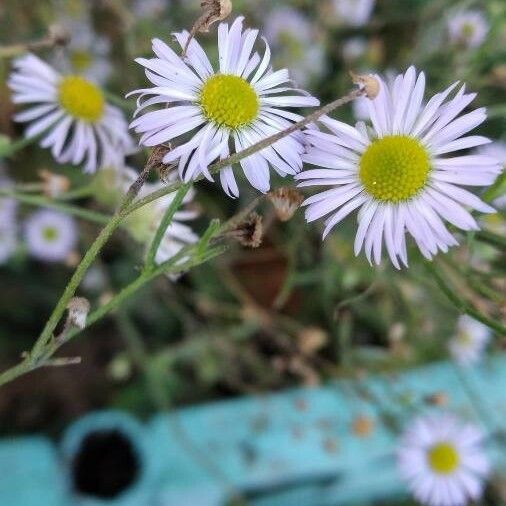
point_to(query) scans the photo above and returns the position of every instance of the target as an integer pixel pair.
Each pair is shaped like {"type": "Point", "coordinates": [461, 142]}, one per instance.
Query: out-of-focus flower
{"type": "Point", "coordinates": [86, 54]}
{"type": "Point", "coordinates": [8, 225]}
{"type": "Point", "coordinates": [396, 173]}
{"type": "Point", "coordinates": [292, 37]}
{"type": "Point", "coordinates": [227, 111]}
{"type": "Point", "coordinates": [470, 340]}
{"type": "Point", "coordinates": [143, 9]}
{"type": "Point", "coordinates": [143, 223]}
{"type": "Point", "coordinates": [468, 28]}
{"type": "Point", "coordinates": [443, 461]}
{"type": "Point", "coordinates": [50, 235]}
{"type": "Point", "coordinates": [354, 48]}
{"type": "Point", "coordinates": [70, 113]}
{"type": "Point", "coordinates": [354, 12]}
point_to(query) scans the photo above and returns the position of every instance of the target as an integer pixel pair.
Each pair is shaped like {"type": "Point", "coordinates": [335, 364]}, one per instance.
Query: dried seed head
{"type": "Point", "coordinates": [362, 426]}
{"type": "Point", "coordinates": [248, 232]}
{"type": "Point", "coordinates": [53, 184]}
{"type": "Point", "coordinates": [78, 309]}
{"type": "Point", "coordinates": [286, 201]}
{"type": "Point", "coordinates": [213, 11]}
{"type": "Point", "coordinates": [437, 399]}
{"type": "Point", "coordinates": [366, 82]}
{"type": "Point", "coordinates": [311, 339]}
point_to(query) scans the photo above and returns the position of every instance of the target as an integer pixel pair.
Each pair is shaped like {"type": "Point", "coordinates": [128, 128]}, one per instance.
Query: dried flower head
{"type": "Point", "coordinates": [53, 185]}
{"type": "Point", "coordinates": [311, 339]}
{"type": "Point", "coordinates": [286, 201]}
{"type": "Point", "coordinates": [58, 35]}
{"type": "Point", "coordinates": [366, 82]}
{"type": "Point", "coordinates": [78, 309]}
{"type": "Point", "coordinates": [248, 232]}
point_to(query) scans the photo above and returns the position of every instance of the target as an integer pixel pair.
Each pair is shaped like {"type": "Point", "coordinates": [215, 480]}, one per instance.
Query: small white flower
{"type": "Point", "coordinates": [354, 12]}
{"type": "Point", "coordinates": [292, 37]}
{"type": "Point", "coordinates": [442, 461]}
{"type": "Point", "coordinates": [469, 28]}
{"type": "Point", "coordinates": [398, 172]}
{"type": "Point", "coordinates": [71, 112]}
{"type": "Point", "coordinates": [469, 343]}
{"type": "Point", "coordinates": [142, 224]}
{"type": "Point", "coordinates": [226, 111]}
{"type": "Point", "coordinates": [87, 53]}
{"type": "Point", "coordinates": [148, 8]}
{"type": "Point", "coordinates": [8, 225]}
{"type": "Point", "coordinates": [354, 48]}
{"type": "Point", "coordinates": [50, 236]}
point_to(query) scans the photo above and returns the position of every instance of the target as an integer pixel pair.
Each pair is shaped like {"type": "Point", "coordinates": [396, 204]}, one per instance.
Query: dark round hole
{"type": "Point", "coordinates": [105, 465]}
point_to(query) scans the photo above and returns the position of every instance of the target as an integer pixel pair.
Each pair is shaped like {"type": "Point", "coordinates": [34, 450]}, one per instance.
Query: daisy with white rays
{"type": "Point", "coordinates": [399, 172]}
{"type": "Point", "coordinates": [71, 115]}
{"type": "Point", "coordinates": [226, 111]}
{"type": "Point", "coordinates": [443, 461]}
{"type": "Point", "coordinates": [468, 344]}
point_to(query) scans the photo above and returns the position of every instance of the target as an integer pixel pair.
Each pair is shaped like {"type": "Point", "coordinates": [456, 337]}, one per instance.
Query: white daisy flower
{"type": "Point", "coordinates": [143, 223]}
{"type": "Point", "coordinates": [87, 54]}
{"type": "Point", "coordinates": [226, 111]}
{"type": "Point", "coordinates": [443, 460]}
{"type": "Point", "coordinates": [469, 343]}
{"type": "Point", "coordinates": [354, 12]}
{"type": "Point", "coordinates": [469, 28]}
{"type": "Point", "coordinates": [292, 36]}
{"type": "Point", "coordinates": [50, 236]}
{"type": "Point", "coordinates": [71, 113]}
{"type": "Point", "coordinates": [398, 172]}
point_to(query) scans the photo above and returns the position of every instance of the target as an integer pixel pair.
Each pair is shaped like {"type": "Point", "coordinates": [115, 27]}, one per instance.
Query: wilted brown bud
{"type": "Point", "coordinates": [286, 201]}
{"type": "Point", "coordinates": [366, 82]}
{"type": "Point", "coordinates": [437, 399]}
{"type": "Point", "coordinates": [248, 232]}
{"type": "Point", "coordinates": [53, 184]}
{"type": "Point", "coordinates": [213, 11]}
{"type": "Point", "coordinates": [78, 309]}
{"type": "Point", "coordinates": [311, 339]}
{"type": "Point", "coordinates": [362, 426]}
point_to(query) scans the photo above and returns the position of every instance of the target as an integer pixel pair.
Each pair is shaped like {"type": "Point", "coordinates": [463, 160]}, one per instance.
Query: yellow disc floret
{"type": "Point", "coordinates": [443, 458]}
{"type": "Point", "coordinates": [81, 60]}
{"type": "Point", "coordinates": [80, 98]}
{"type": "Point", "coordinates": [229, 101]}
{"type": "Point", "coordinates": [394, 168]}
{"type": "Point", "coordinates": [49, 234]}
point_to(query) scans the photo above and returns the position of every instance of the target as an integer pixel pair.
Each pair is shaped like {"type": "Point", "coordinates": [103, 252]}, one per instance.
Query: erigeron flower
{"type": "Point", "coordinates": [469, 28]}
{"type": "Point", "coordinates": [443, 461]}
{"type": "Point", "coordinates": [86, 54]}
{"type": "Point", "coordinates": [294, 42]}
{"type": "Point", "coordinates": [70, 113]}
{"type": "Point", "coordinates": [469, 342]}
{"type": "Point", "coordinates": [398, 172]}
{"type": "Point", "coordinates": [354, 12]}
{"type": "Point", "coordinates": [50, 236]}
{"type": "Point", "coordinates": [226, 111]}
{"type": "Point", "coordinates": [143, 223]}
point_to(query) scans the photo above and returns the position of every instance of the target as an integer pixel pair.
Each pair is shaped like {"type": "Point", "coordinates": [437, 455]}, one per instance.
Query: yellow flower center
{"type": "Point", "coordinates": [443, 458]}
{"type": "Point", "coordinates": [81, 99]}
{"type": "Point", "coordinates": [229, 101]}
{"type": "Point", "coordinates": [467, 30]}
{"type": "Point", "coordinates": [49, 234]}
{"type": "Point", "coordinates": [80, 59]}
{"type": "Point", "coordinates": [394, 168]}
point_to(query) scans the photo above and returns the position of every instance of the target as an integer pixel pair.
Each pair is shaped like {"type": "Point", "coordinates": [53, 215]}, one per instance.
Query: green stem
{"type": "Point", "coordinates": [492, 238]}
{"type": "Point", "coordinates": [164, 225]}
{"type": "Point", "coordinates": [40, 201]}
{"type": "Point", "coordinates": [461, 304]}
{"type": "Point", "coordinates": [16, 146]}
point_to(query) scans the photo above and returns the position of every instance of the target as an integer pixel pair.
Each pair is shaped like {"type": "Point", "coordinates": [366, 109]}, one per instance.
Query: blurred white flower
{"type": "Point", "coordinates": [470, 340]}
{"type": "Point", "coordinates": [226, 112]}
{"type": "Point", "coordinates": [142, 224]}
{"type": "Point", "coordinates": [87, 53]}
{"type": "Point", "coordinates": [396, 173]}
{"type": "Point", "coordinates": [360, 108]}
{"type": "Point", "coordinates": [70, 113]}
{"type": "Point", "coordinates": [354, 12]}
{"type": "Point", "coordinates": [354, 48]}
{"type": "Point", "coordinates": [443, 461]}
{"type": "Point", "coordinates": [469, 28]}
{"type": "Point", "coordinates": [8, 225]}
{"type": "Point", "coordinates": [292, 37]}
{"type": "Point", "coordinates": [149, 8]}
{"type": "Point", "coordinates": [50, 235]}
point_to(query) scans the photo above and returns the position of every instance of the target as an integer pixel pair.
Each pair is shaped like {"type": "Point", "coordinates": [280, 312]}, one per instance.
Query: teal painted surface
{"type": "Point", "coordinates": [295, 447]}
